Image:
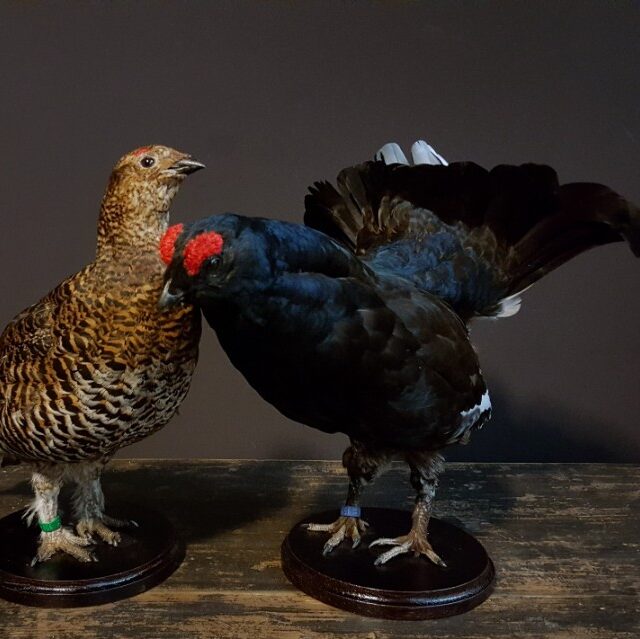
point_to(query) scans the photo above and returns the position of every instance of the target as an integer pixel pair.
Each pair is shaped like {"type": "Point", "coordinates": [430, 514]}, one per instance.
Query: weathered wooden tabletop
{"type": "Point", "coordinates": [565, 540]}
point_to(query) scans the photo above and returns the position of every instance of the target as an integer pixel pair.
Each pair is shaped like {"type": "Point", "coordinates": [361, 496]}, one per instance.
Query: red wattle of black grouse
{"type": "Point", "coordinates": [357, 322]}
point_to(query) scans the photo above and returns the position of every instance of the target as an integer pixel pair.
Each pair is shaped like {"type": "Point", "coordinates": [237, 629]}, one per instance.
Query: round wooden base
{"type": "Point", "coordinates": [407, 587]}
{"type": "Point", "coordinates": [146, 556]}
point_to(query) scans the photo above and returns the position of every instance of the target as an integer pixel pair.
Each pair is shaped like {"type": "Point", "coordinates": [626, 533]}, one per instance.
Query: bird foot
{"type": "Point", "coordinates": [90, 528]}
{"type": "Point", "coordinates": [62, 540]}
{"type": "Point", "coordinates": [415, 542]}
{"type": "Point", "coordinates": [341, 529]}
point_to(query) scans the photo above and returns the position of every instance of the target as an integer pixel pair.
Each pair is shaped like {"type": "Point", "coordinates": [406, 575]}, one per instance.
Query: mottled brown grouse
{"type": "Point", "coordinates": [96, 365]}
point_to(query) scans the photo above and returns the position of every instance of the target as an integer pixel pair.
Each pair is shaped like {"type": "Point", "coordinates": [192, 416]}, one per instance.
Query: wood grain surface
{"type": "Point", "coordinates": [564, 539]}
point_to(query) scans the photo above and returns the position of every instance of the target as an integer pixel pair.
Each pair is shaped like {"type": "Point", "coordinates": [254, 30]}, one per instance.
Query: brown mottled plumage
{"type": "Point", "coordinates": [96, 365]}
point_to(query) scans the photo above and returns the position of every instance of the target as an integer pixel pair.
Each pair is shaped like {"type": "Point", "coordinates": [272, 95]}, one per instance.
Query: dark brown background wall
{"type": "Point", "coordinates": [274, 95]}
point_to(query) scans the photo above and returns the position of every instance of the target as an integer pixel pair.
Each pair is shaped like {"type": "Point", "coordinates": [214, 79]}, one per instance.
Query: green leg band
{"type": "Point", "coordinates": [51, 526]}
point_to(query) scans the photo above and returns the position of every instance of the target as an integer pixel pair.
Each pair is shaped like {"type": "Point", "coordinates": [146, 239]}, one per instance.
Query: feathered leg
{"type": "Point", "coordinates": [424, 479]}
{"type": "Point", "coordinates": [362, 465]}
{"type": "Point", "coordinates": [47, 481]}
{"type": "Point", "coordinates": [88, 505]}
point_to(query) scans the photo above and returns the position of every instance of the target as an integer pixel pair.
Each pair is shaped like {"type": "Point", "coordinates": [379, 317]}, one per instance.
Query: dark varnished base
{"type": "Point", "coordinates": [146, 556]}
{"type": "Point", "coordinates": [407, 587]}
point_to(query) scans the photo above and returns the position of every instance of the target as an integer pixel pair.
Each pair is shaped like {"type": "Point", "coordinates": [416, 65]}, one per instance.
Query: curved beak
{"type": "Point", "coordinates": [186, 166]}
{"type": "Point", "coordinates": [169, 298]}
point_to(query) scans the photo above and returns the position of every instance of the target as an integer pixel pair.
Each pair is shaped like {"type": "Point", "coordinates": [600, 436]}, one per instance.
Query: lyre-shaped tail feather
{"type": "Point", "coordinates": [473, 237]}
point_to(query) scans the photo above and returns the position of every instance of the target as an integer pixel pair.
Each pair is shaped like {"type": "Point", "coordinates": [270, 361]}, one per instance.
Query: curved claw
{"type": "Point", "coordinates": [63, 540]}
{"type": "Point", "coordinates": [333, 541]}
{"type": "Point", "coordinates": [90, 528]}
{"type": "Point", "coordinates": [413, 542]}
{"type": "Point", "coordinates": [341, 529]}
{"type": "Point", "coordinates": [385, 541]}
{"type": "Point", "coordinates": [390, 554]}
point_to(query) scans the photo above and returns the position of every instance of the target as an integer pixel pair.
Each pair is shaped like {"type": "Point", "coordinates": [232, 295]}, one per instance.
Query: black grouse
{"type": "Point", "coordinates": [357, 322]}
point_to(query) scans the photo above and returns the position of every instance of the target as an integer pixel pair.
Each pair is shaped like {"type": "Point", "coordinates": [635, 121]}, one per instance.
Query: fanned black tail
{"type": "Point", "coordinates": [474, 237]}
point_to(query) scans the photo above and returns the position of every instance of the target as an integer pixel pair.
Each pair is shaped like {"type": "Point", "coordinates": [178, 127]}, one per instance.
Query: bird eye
{"type": "Point", "coordinates": [215, 261]}
{"type": "Point", "coordinates": [147, 161]}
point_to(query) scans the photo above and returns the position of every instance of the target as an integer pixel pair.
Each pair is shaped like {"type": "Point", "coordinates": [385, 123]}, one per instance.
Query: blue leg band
{"type": "Point", "coordinates": [350, 511]}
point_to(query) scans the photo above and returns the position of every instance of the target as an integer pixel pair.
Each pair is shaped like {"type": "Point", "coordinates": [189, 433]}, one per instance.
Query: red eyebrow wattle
{"type": "Point", "coordinates": [200, 248]}
{"type": "Point", "coordinates": [168, 242]}
{"type": "Point", "coordinates": [141, 150]}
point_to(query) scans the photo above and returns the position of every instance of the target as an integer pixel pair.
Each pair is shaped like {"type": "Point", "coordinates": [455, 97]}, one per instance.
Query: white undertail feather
{"type": "Point", "coordinates": [391, 153]}
{"type": "Point", "coordinates": [508, 306]}
{"type": "Point", "coordinates": [421, 153]}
